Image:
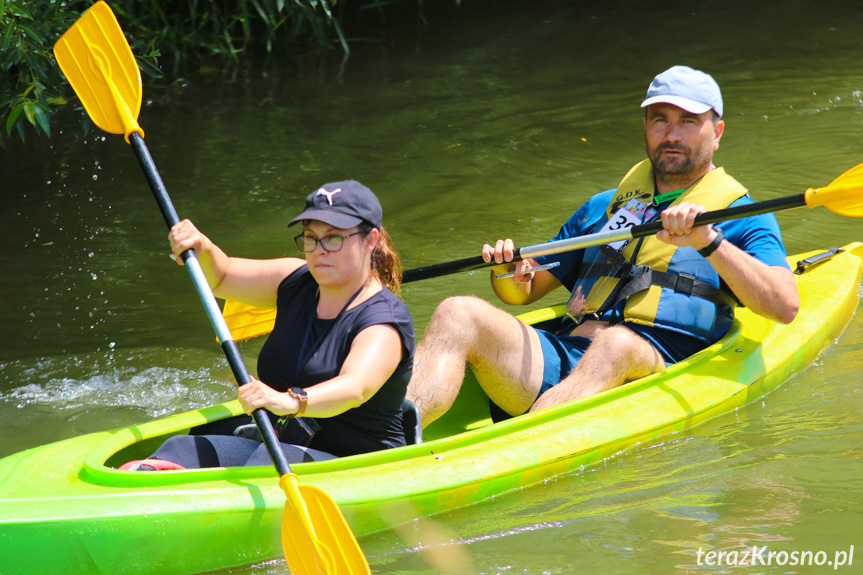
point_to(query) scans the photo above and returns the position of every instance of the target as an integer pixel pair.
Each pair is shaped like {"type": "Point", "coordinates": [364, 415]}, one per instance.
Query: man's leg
{"type": "Point", "coordinates": [503, 352]}
{"type": "Point", "coordinates": [616, 355]}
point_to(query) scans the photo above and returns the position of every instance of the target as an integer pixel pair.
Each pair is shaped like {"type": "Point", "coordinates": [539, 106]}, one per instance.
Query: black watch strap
{"type": "Point", "coordinates": [711, 247]}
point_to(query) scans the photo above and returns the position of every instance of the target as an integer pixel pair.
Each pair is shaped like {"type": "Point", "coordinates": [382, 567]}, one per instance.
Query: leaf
{"type": "Point", "coordinates": [31, 60]}
{"type": "Point", "coordinates": [19, 10]}
{"type": "Point", "coordinates": [13, 117]}
{"type": "Point", "coordinates": [28, 111]}
{"type": "Point", "coordinates": [267, 22]}
{"type": "Point", "coordinates": [32, 33]}
{"type": "Point", "coordinates": [230, 44]}
{"type": "Point", "coordinates": [42, 119]}
{"type": "Point", "coordinates": [149, 68]}
{"type": "Point", "coordinates": [7, 35]}
{"type": "Point", "coordinates": [27, 91]}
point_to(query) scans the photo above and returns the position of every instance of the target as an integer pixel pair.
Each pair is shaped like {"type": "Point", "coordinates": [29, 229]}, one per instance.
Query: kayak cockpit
{"type": "Point", "coordinates": [468, 421]}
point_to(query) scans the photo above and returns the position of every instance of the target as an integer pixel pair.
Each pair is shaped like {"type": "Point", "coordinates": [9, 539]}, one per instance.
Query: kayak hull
{"type": "Point", "coordinates": [65, 508]}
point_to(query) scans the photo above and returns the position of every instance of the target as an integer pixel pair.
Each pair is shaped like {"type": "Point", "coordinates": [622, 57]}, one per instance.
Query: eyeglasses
{"type": "Point", "coordinates": [331, 243]}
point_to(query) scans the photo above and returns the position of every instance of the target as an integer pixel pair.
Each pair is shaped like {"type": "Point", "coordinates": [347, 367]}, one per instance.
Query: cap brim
{"type": "Point", "coordinates": [690, 106]}
{"type": "Point", "coordinates": [335, 219]}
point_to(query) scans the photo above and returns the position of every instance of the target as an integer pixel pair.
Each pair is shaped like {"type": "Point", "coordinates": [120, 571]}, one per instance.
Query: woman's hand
{"type": "Point", "coordinates": [185, 236]}
{"type": "Point", "coordinates": [214, 262]}
{"type": "Point", "coordinates": [257, 394]}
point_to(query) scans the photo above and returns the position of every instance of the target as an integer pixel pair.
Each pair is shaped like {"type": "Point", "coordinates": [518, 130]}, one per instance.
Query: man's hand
{"type": "Point", "coordinates": [503, 252]}
{"type": "Point", "coordinates": [767, 290]}
{"type": "Point", "coordinates": [678, 230]}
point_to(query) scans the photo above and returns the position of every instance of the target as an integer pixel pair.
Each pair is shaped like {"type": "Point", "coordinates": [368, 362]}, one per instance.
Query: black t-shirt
{"type": "Point", "coordinates": [377, 423]}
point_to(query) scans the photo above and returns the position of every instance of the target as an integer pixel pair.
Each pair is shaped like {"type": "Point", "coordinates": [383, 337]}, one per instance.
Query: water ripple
{"type": "Point", "coordinates": [71, 395]}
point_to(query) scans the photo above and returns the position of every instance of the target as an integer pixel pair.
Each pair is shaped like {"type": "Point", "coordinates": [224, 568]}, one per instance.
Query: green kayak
{"type": "Point", "coordinates": [65, 508]}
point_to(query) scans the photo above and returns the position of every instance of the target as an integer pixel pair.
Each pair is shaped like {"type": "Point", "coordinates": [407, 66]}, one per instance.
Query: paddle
{"type": "Point", "coordinates": [843, 196]}
{"type": "Point", "coordinates": [96, 59]}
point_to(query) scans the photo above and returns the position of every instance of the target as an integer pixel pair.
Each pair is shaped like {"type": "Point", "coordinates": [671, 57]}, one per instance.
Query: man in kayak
{"type": "Point", "coordinates": [635, 306]}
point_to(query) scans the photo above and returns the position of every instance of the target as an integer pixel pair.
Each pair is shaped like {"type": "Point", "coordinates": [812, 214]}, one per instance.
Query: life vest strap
{"type": "Point", "coordinates": [644, 277]}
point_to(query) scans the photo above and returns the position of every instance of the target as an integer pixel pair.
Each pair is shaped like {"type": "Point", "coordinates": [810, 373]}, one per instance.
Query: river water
{"type": "Point", "coordinates": [498, 119]}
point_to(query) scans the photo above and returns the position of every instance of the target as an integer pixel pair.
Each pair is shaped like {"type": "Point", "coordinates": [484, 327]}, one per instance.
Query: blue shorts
{"type": "Point", "coordinates": [561, 353]}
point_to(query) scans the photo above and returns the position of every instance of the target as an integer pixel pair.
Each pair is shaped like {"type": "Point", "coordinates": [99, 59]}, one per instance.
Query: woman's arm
{"type": "Point", "coordinates": [254, 282]}
{"type": "Point", "coordinates": [375, 354]}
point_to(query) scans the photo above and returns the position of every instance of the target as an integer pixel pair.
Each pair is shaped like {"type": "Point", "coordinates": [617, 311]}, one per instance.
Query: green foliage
{"type": "Point", "coordinates": [197, 29]}
{"type": "Point", "coordinates": [30, 81]}
{"type": "Point", "coordinates": [32, 85]}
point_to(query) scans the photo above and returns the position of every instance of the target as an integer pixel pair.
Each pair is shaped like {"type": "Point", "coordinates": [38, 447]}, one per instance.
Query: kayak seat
{"type": "Point", "coordinates": [151, 465]}
{"type": "Point", "coordinates": [411, 422]}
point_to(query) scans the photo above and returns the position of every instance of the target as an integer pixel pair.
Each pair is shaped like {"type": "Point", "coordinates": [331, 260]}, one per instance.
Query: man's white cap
{"type": "Point", "coordinates": [681, 86]}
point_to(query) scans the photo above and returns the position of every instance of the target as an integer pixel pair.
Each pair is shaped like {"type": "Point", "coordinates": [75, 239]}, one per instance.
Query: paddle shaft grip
{"type": "Point", "coordinates": [601, 238]}
{"type": "Point", "coordinates": [229, 346]}
{"type": "Point", "coordinates": [726, 214]}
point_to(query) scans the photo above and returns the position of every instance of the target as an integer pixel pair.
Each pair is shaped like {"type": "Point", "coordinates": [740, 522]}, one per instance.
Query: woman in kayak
{"type": "Point", "coordinates": [334, 370]}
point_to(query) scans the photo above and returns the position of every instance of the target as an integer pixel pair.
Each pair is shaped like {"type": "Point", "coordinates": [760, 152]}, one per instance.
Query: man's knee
{"type": "Point", "coordinates": [619, 344]}
{"type": "Point", "coordinates": [455, 314]}
{"type": "Point", "coordinates": [459, 306]}
{"type": "Point", "coordinates": [618, 341]}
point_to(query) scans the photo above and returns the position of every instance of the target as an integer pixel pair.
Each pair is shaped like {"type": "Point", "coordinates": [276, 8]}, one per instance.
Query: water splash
{"type": "Point", "coordinates": [152, 380]}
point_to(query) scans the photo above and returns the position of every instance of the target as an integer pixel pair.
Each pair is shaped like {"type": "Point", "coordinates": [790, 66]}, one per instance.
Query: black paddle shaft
{"type": "Point", "coordinates": [640, 231]}
{"type": "Point", "coordinates": [229, 346]}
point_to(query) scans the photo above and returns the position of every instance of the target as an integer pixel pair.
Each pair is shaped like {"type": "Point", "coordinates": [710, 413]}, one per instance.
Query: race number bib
{"type": "Point", "coordinates": [632, 214]}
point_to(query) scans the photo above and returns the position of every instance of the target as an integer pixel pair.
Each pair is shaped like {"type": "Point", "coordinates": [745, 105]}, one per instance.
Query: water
{"type": "Point", "coordinates": [497, 120]}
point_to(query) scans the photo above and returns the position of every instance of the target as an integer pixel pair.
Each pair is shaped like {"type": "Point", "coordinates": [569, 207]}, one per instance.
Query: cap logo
{"type": "Point", "coordinates": [329, 195]}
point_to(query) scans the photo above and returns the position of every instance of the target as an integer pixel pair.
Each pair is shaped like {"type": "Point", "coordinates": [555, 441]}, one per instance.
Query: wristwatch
{"type": "Point", "coordinates": [300, 395]}
{"type": "Point", "coordinates": [711, 247]}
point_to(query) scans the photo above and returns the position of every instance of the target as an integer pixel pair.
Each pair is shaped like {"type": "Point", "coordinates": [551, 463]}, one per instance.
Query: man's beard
{"type": "Point", "coordinates": [681, 169]}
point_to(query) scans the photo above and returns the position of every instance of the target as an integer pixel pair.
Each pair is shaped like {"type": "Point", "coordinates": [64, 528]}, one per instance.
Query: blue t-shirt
{"type": "Point", "coordinates": [377, 423]}
{"type": "Point", "coordinates": [759, 236]}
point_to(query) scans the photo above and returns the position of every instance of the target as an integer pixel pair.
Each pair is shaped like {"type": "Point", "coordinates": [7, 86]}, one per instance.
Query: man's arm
{"type": "Point", "coordinates": [769, 291]}
{"type": "Point", "coordinates": [522, 288]}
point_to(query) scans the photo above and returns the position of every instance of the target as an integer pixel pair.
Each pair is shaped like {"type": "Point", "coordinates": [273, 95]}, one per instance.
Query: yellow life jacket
{"type": "Point", "coordinates": [660, 305]}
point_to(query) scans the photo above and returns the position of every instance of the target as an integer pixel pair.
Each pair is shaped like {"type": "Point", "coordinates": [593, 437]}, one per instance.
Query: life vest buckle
{"type": "Point", "coordinates": [684, 283]}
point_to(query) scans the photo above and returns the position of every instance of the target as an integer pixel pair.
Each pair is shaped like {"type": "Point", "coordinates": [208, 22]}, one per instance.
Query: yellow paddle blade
{"type": "Point", "coordinates": [844, 195]}
{"type": "Point", "coordinates": [316, 538]}
{"type": "Point", "coordinates": [96, 59]}
{"type": "Point", "coordinates": [247, 321]}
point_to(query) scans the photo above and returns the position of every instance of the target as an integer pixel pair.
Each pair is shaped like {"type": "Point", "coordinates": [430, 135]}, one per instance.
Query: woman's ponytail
{"type": "Point", "coordinates": [385, 261]}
